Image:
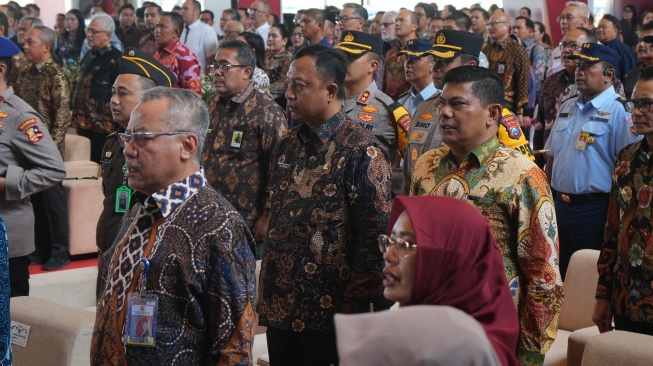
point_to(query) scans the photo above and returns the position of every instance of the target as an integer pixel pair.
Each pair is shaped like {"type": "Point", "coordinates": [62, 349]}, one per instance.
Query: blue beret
{"type": "Point", "coordinates": [8, 48]}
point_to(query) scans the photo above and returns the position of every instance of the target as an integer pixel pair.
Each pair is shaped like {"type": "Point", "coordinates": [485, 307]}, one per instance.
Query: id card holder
{"type": "Point", "coordinates": [501, 69]}
{"type": "Point", "coordinates": [141, 320]}
{"type": "Point", "coordinates": [581, 144]}
{"type": "Point", "coordinates": [123, 197]}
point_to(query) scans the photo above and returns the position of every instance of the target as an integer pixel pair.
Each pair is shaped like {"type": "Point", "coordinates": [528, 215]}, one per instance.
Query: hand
{"type": "Point", "coordinates": [524, 121]}
{"type": "Point", "coordinates": [538, 125]}
{"type": "Point", "coordinates": [261, 227]}
{"type": "Point", "coordinates": [602, 316]}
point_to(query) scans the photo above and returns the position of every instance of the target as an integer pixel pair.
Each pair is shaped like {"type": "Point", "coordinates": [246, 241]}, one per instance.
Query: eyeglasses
{"type": "Point", "coordinates": [567, 17]}
{"type": "Point", "coordinates": [571, 45]}
{"type": "Point", "coordinates": [492, 24]}
{"type": "Point", "coordinates": [644, 106]}
{"type": "Point", "coordinates": [345, 18]}
{"type": "Point", "coordinates": [386, 25]}
{"type": "Point", "coordinates": [94, 31]}
{"type": "Point", "coordinates": [254, 11]}
{"type": "Point", "coordinates": [223, 68]}
{"type": "Point", "coordinates": [144, 137]}
{"type": "Point", "coordinates": [402, 247]}
{"type": "Point", "coordinates": [298, 34]}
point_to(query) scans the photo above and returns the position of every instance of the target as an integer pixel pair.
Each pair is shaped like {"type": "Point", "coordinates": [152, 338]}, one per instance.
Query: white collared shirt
{"type": "Point", "coordinates": [202, 40]}
{"type": "Point", "coordinates": [263, 32]}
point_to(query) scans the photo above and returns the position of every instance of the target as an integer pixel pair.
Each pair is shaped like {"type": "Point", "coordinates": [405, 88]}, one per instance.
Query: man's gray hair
{"type": "Point", "coordinates": [47, 36]}
{"type": "Point", "coordinates": [392, 13]}
{"type": "Point", "coordinates": [359, 10]}
{"type": "Point", "coordinates": [105, 21]}
{"type": "Point", "coordinates": [582, 6]}
{"type": "Point", "coordinates": [186, 112]}
{"type": "Point", "coordinates": [34, 21]}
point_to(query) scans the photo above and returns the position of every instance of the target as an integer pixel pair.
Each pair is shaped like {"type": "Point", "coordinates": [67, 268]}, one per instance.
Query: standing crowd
{"type": "Point", "coordinates": [303, 145]}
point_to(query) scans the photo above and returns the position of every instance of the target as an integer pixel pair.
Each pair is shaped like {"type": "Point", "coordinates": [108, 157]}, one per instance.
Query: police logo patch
{"type": "Point", "coordinates": [34, 134]}
{"type": "Point", "coordinates": [369, 108]}
{"type": "Point", "coordinates": [511, 125]}
{"type": "Point", "coordinates": [366, 117]}
{"type": "Point", "coordinates": [26, 123]}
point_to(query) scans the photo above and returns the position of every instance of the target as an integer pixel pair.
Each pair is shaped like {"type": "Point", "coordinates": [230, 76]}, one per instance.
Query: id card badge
{"type": "Point", "coordinates": [501, 69]}
{"type": "Point", "coordinates": [123, 197]}
{"type": "Point", "coordinates": [237, 139]}
{"type": "Point", "coordinates": [141, 320]}
{"type": "Point", "coordinates": [581, 144]}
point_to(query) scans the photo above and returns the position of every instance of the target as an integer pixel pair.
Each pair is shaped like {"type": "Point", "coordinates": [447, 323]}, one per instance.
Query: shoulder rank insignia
{"type": "Point", "coordinates": [426, 116]}
{"type": "Point", "coordinates": [623, 102]}
{"type": "Point", "coordinates": [369, 108]}
{"type": "Point", "coordinates": [365, 117]}
{"type": "Point", "coordinates": [364, 97]}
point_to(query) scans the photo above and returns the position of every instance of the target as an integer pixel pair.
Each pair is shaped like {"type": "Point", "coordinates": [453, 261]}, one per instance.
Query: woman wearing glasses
{"type": "Point", "coordinates": [441, 252]}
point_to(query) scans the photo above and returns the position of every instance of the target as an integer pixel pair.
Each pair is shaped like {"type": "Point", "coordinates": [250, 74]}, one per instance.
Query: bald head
{"type": "Point", "coordinates": [499, 26]}
{"type": "Point", "coordinates": [232, 29]}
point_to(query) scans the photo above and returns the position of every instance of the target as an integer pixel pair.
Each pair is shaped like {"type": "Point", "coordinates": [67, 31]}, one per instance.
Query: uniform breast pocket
{"type": "Point", "coordinates": [598, 135]}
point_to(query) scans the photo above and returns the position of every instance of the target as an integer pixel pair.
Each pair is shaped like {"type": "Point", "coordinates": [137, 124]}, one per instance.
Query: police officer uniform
{"type": "Point", "coordinates": [30, 162]}
{"type": "Point", "coordinates": [411, 99]}
{"type": "Point", "coordinates": [133, 61]}
{"type": "Point", "coordinates": [584, 141]}
{"type": "Point", "coordinates": [388, 120]}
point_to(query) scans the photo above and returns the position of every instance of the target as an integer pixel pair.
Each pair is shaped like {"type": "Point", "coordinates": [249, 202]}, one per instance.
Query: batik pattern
{"type": "Point", "coordinates": [184, 64]}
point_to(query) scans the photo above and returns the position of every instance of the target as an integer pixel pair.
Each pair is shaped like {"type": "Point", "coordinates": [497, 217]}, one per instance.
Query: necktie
{"type": "Point", "coordinates": [187, 31]}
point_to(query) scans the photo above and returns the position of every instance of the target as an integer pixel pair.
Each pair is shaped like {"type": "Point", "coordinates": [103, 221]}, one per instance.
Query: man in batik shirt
{"type": "Point", "coordinates": [174, 55]}
{"type": "Point", "coordinates": [98, 71]}
{"type": "Point", "coordinates": [46, 88]}
{"type": "Point", "coordinates": [245, 128]}
{"type": "Point", "coordinates": [625, 266]}
{"type": "Point", "coordinates": [147, 43]}
{"type": "Point", "coordinates": [508, 189]}
{"type": "Point", "coordinates": [394, 83]}
{"type": "Point", "coordinates": [509, 60]}
{"type": "Point", "coordinates": [196, 246]}
{"type": "Point", "coordinates": [329, 201]}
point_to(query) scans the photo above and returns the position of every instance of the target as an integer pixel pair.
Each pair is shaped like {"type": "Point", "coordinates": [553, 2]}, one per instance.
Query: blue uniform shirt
{"type": "Point", "coordinates": [605, 126]}
{"type": "Point", "coordinates": [412, 100]}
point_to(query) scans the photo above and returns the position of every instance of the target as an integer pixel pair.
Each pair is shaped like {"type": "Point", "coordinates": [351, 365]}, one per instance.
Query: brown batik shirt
{"type": "Point", "coordinates": [395, 83]}
{"type": "Point", "coordinates": [329, 201]}
{"type": "Point", "coordinates": [46, 88]}
{"type": "Point", "coordinates": [243, 134]}
{"type": "Point", "coordinates": [511, 62]}
{"type": "Point", "coordinates": [91, 107]}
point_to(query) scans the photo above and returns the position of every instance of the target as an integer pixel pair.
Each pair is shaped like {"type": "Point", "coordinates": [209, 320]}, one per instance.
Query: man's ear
{"type": "Point", "coordinates": [189, 147]}
{"type": "Point", "coordinates": [494, 113]}
{"type": "Point", "coordinates": [332, 90]}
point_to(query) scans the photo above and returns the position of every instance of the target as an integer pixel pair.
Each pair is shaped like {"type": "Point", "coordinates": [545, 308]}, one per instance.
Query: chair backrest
{"type": "Point", "coordinates": [77, 148]}
{"type": "Point", "coordinates": [580, 288]}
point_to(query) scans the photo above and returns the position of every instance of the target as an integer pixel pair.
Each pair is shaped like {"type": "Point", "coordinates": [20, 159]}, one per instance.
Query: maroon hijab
{"type": "Point", "coordinates": [460, 265]}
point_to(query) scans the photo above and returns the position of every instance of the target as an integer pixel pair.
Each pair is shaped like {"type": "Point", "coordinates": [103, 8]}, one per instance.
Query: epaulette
{"type": "Point", "coordinates": [402, 94]}
{"type": "Point", "coordinates": [435, 95]}
{"type": "Point", "coordinates": [623, 102]}
{"type": "Point", "coordinates": [400, 114]}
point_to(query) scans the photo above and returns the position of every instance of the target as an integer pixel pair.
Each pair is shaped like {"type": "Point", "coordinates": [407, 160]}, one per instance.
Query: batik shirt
{"type": "Point", "coordinates": [68, 48]}
{"type": "Point", "coordinates": [91, 98]}
{"type": "Point", "coordinates": [45, 87]}
{"type": "Point", "coordinates": [626, 261]}
{"type": "Point", "coordinates": [148, 44]}
{"type": "Point", "coordinates": [278, 66]}
{"type": "Point", "coordinates": [395, 83]}
{"type": "Point", "coordinates": [512, 194]}
{"type": "Point", "coordinates": [510, 61]}
{"type": "Point", "coordinates": [538, 58]}
{"type": "Point", "coordinates": [201, 268]}
{"type": "Point", "coordinates": [330, 200]}
{"type": "Point", "coordinates": [183, 63]}
{"type": "Point", "coordinates": [19, 67]}
{"type": "Point", "coordinates": [130, 38]}
{"type": "Point", "coordinates": [243, 134]}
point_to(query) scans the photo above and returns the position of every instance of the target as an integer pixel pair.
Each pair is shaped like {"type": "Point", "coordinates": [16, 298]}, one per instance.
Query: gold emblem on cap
{"type": "Point", "coordinates": [410, 43]}
{"type": "Point", "coordinates": [349, 37]}
{"type": "Point", "coordinates": [132, 53]}
{"type": "Point", "coordinates": [586, 45]}
{"type": "Point", "coordinates": [441, 39]}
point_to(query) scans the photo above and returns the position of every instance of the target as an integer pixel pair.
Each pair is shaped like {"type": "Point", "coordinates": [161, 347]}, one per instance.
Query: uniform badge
{"type": "Point", "coordinates": [237, 139]}
{"type": "Point", "coordinates": [426, 116]}
{"type": "Point", "coordinates": [366, 117]}
{"type": "Point", "coordinates": [34, 134]}
{"type": "Point", "coordinates": [419, 137]}
{"type": "Point", "coordinates": [601, 113]}
{"type": "Point", "coordinates": [510, 123]}
{"type": "Point", "coordinates": [26, 123]}
{"type": "Point", "coordinates": [3, 115]}
{"type": "Point", "coordinates": [369, 108]}
{"type": "Point", "coordinates": [1, 125]}
{"type": "Point", "coordinates": [404, 121]}
{"type": "Point", "coordinates": [413, 154]}
{"type": "Point", "coordinates": [590, 140]}
{"type": "Point", "coordinates": [363, 98]}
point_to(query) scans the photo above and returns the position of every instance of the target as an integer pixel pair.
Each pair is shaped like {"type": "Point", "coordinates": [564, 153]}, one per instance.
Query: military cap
{"type": "Point", "coordinates": [358, 43]}
{"type": "Point", "coordinates": [330, 16]}
{"type": "Point", "coordinates": [450, 43]}
{"type": "Point", "coordinates": [595, 52]}
{"type": "Point", "coordinates": [416, 48]}
{"type": "Point", "coordinates": [8, 48]}
{"type": "Point", "coordinates": [647, 39]}
{"type": "Point", "coordinates": [135, 61]}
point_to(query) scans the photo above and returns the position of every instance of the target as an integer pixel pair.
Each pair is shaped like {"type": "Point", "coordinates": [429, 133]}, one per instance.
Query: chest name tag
{"type": "Point", "coordinates": [564, 115]}
{"type": "Point", "coordinates": [283, 166]}
{"type": "Point", "coordinates": [581, 144]}
{"type": "Point", "coordinates": [237, 139]}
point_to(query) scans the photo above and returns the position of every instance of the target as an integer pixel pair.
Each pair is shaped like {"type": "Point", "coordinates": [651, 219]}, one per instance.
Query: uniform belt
{"type": "Point", "coordinates": [582, 198]}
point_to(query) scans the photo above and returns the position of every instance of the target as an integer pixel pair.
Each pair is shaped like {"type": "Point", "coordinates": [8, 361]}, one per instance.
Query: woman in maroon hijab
{"type": "Point", "coordinates": [441, 252]}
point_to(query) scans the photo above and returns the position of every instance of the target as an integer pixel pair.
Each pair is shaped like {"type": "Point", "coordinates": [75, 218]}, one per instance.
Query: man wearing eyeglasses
{"type": "Point", "coordinates": [245, 128]}
{"type": "Point", "coordinates": [180, 277]}
{"type": "Point", "coordinates": [258, 16]}
{"type": "Point", "coordinates": [197, 36]}
{"type": "Point", "coordinates": [376, 28]}
{"type": "Point", "coordinates": [424, 13]}
{"type": "Point", "coordinates": [624, 287]}
{"type": "Point", "coordinates": [388, 30]}
{"type": "Point", "coordinates": [589, 131]}
{"type": "Point", "coordinates": [575, 15]}
{"type": "Point", "coordinates": [92, 93]}
{"type": "Point", "coordinates": [232, 29]}
{"type": "Point", "coordinates": [352, 17]}
{"type": "Point", "coordinates": [644, 55]}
